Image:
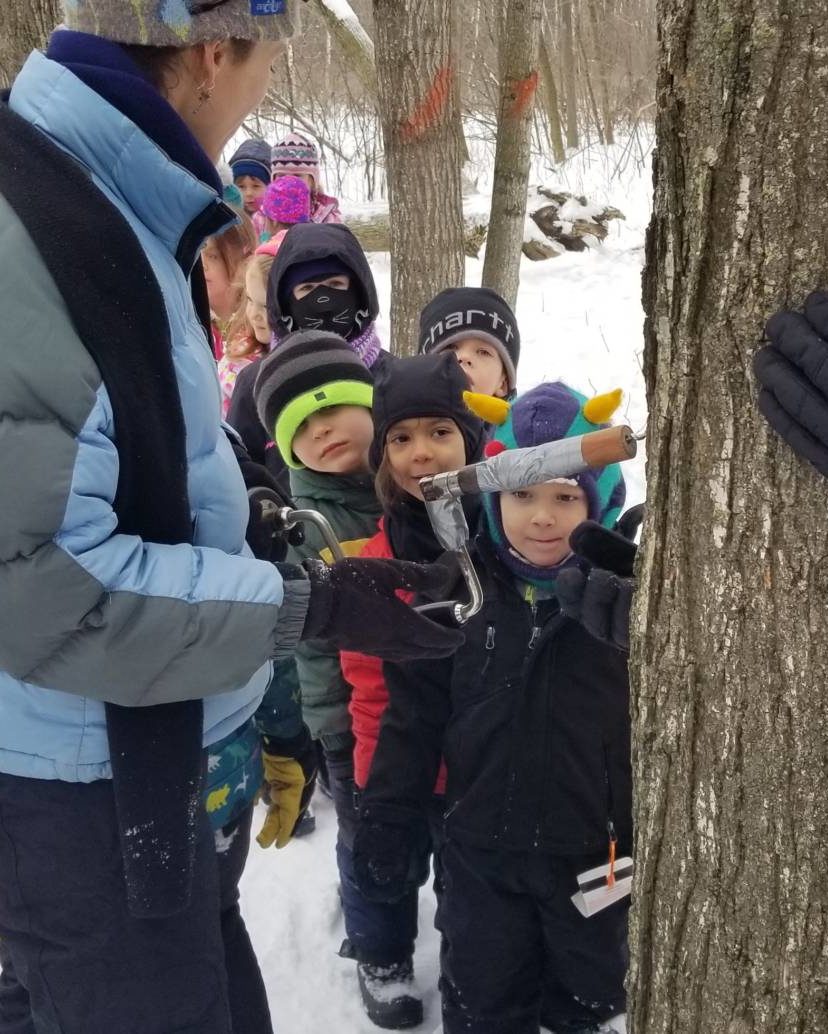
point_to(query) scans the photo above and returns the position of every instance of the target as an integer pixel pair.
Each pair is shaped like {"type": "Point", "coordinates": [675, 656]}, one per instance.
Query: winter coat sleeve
{"type": "Point", "coordinates": [410, 745]}
{"type": "Point", "coordinates": [88, 610]}
{"type": "Point", "coordinates": [325, 693]}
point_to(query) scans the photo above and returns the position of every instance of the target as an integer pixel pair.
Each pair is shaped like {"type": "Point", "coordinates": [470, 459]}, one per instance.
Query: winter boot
{"type": "Point", "coordinates": [305, 825]}
{"type": "Point", "coordinates": [388, 995]}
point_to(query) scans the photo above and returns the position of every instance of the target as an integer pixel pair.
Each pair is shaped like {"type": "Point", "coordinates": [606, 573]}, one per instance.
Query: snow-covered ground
{"type": "Point", "coordinates": [580, 319]}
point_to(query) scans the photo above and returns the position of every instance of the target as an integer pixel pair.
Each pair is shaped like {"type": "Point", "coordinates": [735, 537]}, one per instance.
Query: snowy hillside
{"type": "Point", "coordinates": [580, 319]}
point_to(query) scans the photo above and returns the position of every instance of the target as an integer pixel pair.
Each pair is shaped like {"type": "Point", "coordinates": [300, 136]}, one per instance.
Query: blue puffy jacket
{"type": "Point", "coordinates": [90, 615]}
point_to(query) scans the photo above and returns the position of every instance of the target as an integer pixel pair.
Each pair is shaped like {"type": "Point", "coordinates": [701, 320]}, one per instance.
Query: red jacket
{"type": "Point", "coordinates": [369, 696]}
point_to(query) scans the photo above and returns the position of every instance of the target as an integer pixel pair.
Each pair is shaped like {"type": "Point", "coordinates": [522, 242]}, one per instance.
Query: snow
{"type": "Point", "coordinates": [581, 320]}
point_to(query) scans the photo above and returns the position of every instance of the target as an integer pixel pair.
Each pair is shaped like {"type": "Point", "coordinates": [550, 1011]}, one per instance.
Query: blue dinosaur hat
{"type": "Point", "coordinates": [549, 413]}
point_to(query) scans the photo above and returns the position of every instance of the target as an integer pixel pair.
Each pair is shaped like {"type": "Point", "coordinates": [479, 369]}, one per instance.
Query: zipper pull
{"type": "Point", "coordinates": [490, 637]}
{"type": "Point", "coordinates": [613, 840]}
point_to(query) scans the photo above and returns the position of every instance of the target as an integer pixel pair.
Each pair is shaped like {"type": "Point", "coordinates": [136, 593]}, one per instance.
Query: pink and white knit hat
{"type": "Point", "coordinates": [295, 155]}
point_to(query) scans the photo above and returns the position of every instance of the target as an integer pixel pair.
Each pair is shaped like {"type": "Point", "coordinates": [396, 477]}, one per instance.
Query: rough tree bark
{"type": "Point", "coordinates": [417, 101]}
{"type": "Point", "coordinates": [24, 26]}
{"type": "Point", "coordinates": [729, 930]}
{"type": "Point", "coordinates": [518, 86]}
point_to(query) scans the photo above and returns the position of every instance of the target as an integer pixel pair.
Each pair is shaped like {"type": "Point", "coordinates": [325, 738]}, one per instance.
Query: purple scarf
{"type": "Point", "coordinates": [366, 346]}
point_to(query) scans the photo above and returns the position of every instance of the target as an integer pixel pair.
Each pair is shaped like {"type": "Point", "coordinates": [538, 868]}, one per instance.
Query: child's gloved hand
{"type": "Point", "coordinates": [266, 537]}
{"type": "Point", "coordinates": [792, 372]}
{"type": "Point", "coordinates": [600, 598]}
{"type": "Point", "coordinates": [290, 779]}
{"type": "Point", "coordinates": [354, 605]}
{"type": "Point", "coordinates": [391, 849]}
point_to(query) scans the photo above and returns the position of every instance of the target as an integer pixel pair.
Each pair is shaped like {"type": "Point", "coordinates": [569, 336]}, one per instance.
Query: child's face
{"type": "Point", "coordinates": [305, 176]}
{"type": "Point", "coordinates": [341, 282]}
{"type": "Point", "coordinates": [256, 308]}
{"type": "Point", "coordinates": [539, 520]}
{"type": "Point", "coordinates": [422, 446]}
{"type": "Point", "coordinates": [216, 278]}
{"type": "Point", "coordinates": [252, 190]}
{"type": "Point", "coordinates": [482, 365]}
{"type": "Point", "coordinates": [335, 440]}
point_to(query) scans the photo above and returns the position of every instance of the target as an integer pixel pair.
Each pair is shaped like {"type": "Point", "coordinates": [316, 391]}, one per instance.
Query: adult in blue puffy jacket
{"type": "Point", "coordinates": [137, 630]}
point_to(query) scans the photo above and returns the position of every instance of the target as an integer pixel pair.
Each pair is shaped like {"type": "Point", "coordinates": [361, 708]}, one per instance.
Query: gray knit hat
{"type": "Point", "coordinates": [182, 23]}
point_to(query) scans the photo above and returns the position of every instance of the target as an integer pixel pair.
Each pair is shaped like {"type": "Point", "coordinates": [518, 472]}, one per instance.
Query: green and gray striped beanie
{"type": "Point", "coordinates": [306, 372]}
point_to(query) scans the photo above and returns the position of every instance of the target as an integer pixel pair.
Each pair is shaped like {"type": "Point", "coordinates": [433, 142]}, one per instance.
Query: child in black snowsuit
{"type": "Point", "coordinates": [532, 716]}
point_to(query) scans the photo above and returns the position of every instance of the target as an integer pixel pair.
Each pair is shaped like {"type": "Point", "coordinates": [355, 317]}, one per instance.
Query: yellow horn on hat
{"type": "Point", "coordinates": [489, 408]}
{"type": "Point", "coordinates": [600, 408]}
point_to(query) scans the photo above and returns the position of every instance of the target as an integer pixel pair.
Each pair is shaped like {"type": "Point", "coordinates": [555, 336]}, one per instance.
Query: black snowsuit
{"type": "Point", "coordinates": [532, 716]}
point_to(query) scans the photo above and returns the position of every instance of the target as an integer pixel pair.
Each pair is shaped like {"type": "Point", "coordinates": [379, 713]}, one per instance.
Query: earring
{"type": "Point", "coordinates": [205, 92]}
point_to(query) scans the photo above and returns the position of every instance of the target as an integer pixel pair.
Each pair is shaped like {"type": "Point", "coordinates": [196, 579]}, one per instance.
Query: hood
{"type": "Point", "coordinates": [308, 241]}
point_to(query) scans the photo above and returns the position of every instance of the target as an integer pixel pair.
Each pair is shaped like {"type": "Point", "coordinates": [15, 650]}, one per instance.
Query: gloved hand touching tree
{"type": "Point", "coordinates": [600, 597]}
{"type": "Point", "coordinates": [353, 604]}
{"type": "Point", "coordinates": [792, 372]}
{"type": "Point", "coordinates": [391, 849]}
{"type": "Point", "coordinates": [290, 778]}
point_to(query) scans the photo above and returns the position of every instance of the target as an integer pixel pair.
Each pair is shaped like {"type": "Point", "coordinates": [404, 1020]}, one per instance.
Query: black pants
{"type": "Point", "coordinates": [76, 962]}
{"type": "Point", "coordinates": [514, 945]}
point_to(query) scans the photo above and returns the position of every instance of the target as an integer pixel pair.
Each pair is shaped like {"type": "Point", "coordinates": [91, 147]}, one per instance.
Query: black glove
{"type": "Point", "coordinates": [264, 536]}
{"type": "Point", "coordinates": [353, 604]}
{"type": "Point", "coordinates": [391, 850]}
{"type": "Point", "coordinates": [793, 379]}
{"type": "Point", "coordinates": [600, 597]}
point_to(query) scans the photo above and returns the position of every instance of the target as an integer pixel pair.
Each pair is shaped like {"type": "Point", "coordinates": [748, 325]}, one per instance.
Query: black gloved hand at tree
{"type": "Point", "coordinates": [353, 604]}
{"type": "Point", "coordinates": [600, 597]}
{"type": "Point", "coordinates": [792, 372]}
{"type": "Point", "coordinates": [391, 850]}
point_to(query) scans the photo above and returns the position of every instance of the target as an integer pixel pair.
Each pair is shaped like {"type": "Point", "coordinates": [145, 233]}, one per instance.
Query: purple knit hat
{"type": "Point", "coordinates": [287, 200]}
{"type": "Point", "coordinates": [548, 413]}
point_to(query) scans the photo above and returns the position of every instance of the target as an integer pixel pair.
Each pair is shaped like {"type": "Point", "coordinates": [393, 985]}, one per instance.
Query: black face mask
{"type": "Point", "coordinates": [328, 309]}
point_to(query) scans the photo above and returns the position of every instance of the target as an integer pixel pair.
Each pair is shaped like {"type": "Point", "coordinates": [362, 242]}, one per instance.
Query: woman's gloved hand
{"type": "Point", "coordinates": [792, 372]}
{"type": "Point", "coordinates": [391, 849]}
{"type": "Point", "coordinates": [600, 596]}
{"type": "Point", "coordinates": [290, 778]}
{"type": "Point", "coordinates": [354, 605]}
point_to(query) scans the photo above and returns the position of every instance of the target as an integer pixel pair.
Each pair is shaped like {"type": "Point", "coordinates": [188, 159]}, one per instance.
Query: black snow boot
{"type": "Point", "coordinates": [388, 994]}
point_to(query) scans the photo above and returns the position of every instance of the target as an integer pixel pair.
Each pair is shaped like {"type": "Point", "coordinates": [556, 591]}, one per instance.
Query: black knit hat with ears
{"type": "Point", "coordinates": [423, 386]}
{"type": "Point", "coordinates": [463, 312]}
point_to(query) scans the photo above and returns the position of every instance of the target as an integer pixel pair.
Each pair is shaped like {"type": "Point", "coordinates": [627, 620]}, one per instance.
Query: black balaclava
{"type": "Point", "coordinates": [325, 309]}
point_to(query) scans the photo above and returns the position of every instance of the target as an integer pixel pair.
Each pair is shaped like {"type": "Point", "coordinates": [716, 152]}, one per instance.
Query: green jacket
{"type": "Point", "coordinates": [351, 506]}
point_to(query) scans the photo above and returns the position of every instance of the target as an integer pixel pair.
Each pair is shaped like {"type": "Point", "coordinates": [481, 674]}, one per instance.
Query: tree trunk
{"type": "Point", "coordinates": [602, 56]}
{"type": "Point", "coordinates": [25, 27]}
{"type": "Point", "coordinates": [353, 40]}
{"type": "Point", "coordinates": [501, 269]}
{"type": "Point", "coordinates": [730, 663]}
{"type": "Point", "coordinates": [550, 94]}
{"type": "Point", "coordinates": [423, 157]}
{"type": "Point", "coordinates": [570, 91]}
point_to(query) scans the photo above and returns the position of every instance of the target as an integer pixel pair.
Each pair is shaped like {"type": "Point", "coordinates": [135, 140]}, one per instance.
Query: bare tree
{"type": "Point", "coordinates": [501, 269]}
{"type": "Point", "coordinates": [25, 27]}
{"type": "Point", "coordinates": [730, 706]}
{"type": "Point", "coordinates": [550, 96]}
{"type": "Point", "coordinates": [417, 100]}
{"type": "Point", "coordinates": [570, 88]}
